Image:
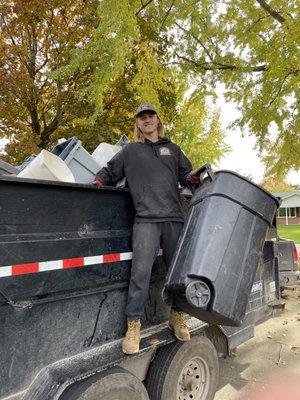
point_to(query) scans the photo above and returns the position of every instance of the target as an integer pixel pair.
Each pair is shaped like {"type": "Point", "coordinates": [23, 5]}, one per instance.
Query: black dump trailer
{"type": "Point", "coordinates": [65, 257]}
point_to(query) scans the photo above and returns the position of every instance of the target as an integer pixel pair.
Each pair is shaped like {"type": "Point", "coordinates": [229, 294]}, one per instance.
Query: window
{"type": "Point", "coordinates": [292, 212]}
{"type": "Point", "coordinates": [289, 212]}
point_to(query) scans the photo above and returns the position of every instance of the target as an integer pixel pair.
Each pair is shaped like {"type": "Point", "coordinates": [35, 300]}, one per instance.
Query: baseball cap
{"type": "Point", "coordinates": [143, 108]}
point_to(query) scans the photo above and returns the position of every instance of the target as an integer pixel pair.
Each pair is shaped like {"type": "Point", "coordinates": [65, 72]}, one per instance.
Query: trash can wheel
{"type": "Point", "coordinates": [198, 293]}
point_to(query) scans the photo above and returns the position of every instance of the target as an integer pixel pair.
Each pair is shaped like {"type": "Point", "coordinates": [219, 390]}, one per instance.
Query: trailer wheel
{"type": "Point", "coordinates": [113, 384]}
{"type": "Point", "coordinates": [184, 371]}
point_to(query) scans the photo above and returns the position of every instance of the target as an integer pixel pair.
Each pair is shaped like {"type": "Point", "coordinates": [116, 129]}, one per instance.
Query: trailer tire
{"type": "Point", "coordinates": [112, 384]}
{"type": "Point", "coordinates": [184, 371]}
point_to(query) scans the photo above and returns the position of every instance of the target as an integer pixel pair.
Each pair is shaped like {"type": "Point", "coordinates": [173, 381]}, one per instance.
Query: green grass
{"type": "Point", "coordinates": [289, 232]}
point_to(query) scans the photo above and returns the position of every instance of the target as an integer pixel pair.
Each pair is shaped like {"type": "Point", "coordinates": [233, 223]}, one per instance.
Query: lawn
{"type": "Point", "coordinates": [289, 232]}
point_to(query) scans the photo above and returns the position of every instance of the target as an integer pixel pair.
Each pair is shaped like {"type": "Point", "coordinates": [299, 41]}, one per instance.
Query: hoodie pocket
{"type": "Point", "coordinates": [159, 200]}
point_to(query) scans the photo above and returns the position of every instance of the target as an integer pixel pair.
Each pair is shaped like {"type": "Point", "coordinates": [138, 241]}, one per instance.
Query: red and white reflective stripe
{"type": "Point", "coordinates": [79, 262]}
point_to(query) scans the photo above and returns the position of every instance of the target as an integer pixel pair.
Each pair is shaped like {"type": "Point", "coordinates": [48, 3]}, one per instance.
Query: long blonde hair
{"type": "Point", "coordinates": [139, 136]}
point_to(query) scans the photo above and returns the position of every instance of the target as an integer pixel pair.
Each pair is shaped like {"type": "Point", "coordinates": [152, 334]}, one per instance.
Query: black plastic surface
{"type": "Point", "coordinates": [221, 245]}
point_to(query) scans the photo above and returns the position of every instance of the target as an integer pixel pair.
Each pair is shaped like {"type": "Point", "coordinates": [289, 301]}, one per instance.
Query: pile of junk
{"type": "Point", "coordinates": [68, 161]}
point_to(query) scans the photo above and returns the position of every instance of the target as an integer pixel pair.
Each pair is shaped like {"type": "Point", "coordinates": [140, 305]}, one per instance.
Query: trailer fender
{"type": "Point", "coordinates": [109, 385]}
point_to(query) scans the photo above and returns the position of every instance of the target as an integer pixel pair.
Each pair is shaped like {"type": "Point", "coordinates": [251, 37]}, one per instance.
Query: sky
{"type": "Point", "coordinates": [243, 158]}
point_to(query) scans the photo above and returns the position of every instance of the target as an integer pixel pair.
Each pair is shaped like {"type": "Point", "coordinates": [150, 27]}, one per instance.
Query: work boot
{"type": "Point", "coordinates": [178, 324]}
{"type": "Point", "coordinates": [131, 342]}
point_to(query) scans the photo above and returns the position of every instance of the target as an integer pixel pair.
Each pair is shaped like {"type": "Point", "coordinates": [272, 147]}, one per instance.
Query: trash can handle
{"type": "Point", "coordinates": [205, 169]}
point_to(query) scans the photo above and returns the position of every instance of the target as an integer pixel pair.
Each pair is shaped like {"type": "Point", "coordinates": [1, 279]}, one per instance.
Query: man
{"type": "Point", "coordinates": [153, 166]}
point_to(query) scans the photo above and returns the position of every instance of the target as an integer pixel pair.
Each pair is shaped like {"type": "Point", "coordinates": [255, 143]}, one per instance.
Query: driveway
{"type": "Point", "coordinates": [275, 349]}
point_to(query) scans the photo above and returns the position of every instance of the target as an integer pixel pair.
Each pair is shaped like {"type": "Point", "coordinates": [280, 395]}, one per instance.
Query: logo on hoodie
{"type": "Point", "coordinates": [164, 151]}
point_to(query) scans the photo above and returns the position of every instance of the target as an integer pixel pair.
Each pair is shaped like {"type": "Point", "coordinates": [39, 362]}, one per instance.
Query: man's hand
{"type": "Point", "coordinates": [193, 180]}
{"type": "Point", "coordinates": [98, 182]}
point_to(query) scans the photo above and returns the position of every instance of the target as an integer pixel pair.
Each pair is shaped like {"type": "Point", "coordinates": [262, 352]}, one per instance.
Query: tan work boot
{"type": "Point", "coordinates": [178, 324]}
{"type": "Point", "coordinates": [131, 342]}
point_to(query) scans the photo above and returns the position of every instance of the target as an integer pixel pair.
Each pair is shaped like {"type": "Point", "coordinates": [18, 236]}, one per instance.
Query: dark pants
{"type": "Point", "coordinates": [146, 240]}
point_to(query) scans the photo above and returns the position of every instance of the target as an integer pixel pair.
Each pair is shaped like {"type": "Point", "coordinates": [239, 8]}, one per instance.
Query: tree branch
{"type": "Point", "coordinates": [143, 7]}
{"type": "Point", "coordinates": [213, 66]}
{"type": "Point", "coordinates": [201, 65]}
{"type": "Point", "coordinates": [215, 45]}
{"type": "Point", "coordinates": [167, 14]}
{"type": "Point", "coordinates": [290, 15]}
{"type": "Point", "coordinates": [197, 40]}
{"type": "Point", "coordinates": [256, 22]}
{"type": "Point", "coordinates": [280, 87]}
{"type": "Point", "coordinates": [54, 124]}
{"type": "Point", "coordinates": [43, 64]}
{"type": "Point", "coordinates": [270, 10]}
{"type": "Point", "coordinates": [35, 125]}
{"type": "Point", "coordinates": [32, 49]}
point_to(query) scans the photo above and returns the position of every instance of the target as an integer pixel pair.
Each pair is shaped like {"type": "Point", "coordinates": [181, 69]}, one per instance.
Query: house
{"type": "Point", "coordinates": [289, 211]}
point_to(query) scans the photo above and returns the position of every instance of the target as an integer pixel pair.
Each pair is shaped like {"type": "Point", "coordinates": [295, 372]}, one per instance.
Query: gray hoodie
{"type": "Point", "coordinates": [153, 171]}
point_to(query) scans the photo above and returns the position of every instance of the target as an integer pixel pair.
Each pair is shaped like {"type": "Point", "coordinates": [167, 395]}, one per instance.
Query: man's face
{"type": "Point", "coordinates": [147, 122]}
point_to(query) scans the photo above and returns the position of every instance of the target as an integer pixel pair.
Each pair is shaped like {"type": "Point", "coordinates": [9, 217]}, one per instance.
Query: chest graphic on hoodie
{"type": "Point", "coordinates": [164, 151]}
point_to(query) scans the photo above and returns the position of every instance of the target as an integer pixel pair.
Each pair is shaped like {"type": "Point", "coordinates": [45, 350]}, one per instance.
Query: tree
{"type": "Point", "coordinates": [275, 185]}
{"type": "Point", "coordinates": [197, 130]}
{"type": "Point", "coordinates": [36, 38]}
{"type": "Point", "coordinates": [81, 68]}
{"type": "Point", "coordinates": [253, 48]}
{"type": "Point", "coordinates": [72, 68]}
{"type": "Point", "coordinates": [136, 56]}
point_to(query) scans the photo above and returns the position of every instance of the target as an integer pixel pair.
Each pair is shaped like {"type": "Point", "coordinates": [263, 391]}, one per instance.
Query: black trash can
{"type": "Point", "coordinates": [220, 247]}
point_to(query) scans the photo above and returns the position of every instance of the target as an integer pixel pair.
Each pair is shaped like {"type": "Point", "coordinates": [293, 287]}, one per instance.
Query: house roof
{"type": "Point", "coordinates": [285, 195]}
{"type": "Point", "coordinates": [289, 199]}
